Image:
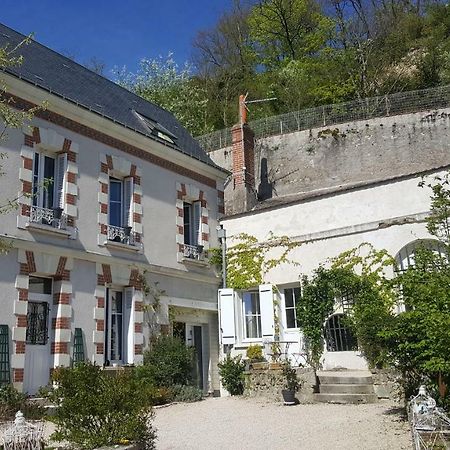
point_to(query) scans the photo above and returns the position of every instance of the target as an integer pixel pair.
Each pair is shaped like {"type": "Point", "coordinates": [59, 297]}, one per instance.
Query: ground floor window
{"type": "Point", "coordinates": [339, 337]}
{"type": "Point", "coordinates": [115, 328]}
{"type": "Point", "coordinates": [291, 296]}
{"type": "Point", "coordinates": [252, 315]}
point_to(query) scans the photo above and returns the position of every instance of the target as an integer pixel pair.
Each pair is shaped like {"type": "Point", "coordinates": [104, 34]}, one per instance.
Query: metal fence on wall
{"type": "Point", "coordinates": [322, 116]}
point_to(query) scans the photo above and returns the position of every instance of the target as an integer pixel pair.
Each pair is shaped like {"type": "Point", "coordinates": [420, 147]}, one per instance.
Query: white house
{"type": "Point", "coordinates": [331, 189]}
{"type": "Point", "coordinates": [116, 200]}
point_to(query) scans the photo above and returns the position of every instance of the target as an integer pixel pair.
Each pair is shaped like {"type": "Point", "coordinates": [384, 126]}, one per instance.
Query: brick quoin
{"type": "Point", "coordinates": [205, 220]}
{"type": "Point", "coordinates": [70, 199]}
{"type": "Point", "coordinates": [71, 177]}
{"type": "Point", "coordinates": [103, 229]}
{"type": "Point", "coordinates": [100, 302]}
{"type": "Point", "coordinates": [61, 264]}
{"type": "Point", "coordinates": [100, 325]}
{"type": "Point", "coordinates": [20, 347]}
{"type": "Point", "coordinates": [61, 298]}
{"type": "Point", "coordinates": [104, 208]}
{"type": "Point", "coordinates": [72, 157]}
{"type": "Point", "coordinates": [62, 323]}
{"type": "Point", "coordinates": [30, 261]}
{"type": "Point", "coordinates": [205, 237]}
{"type": "Point", "coordinates": [23, 295]}
{"type": "Point", "coordinates": [36, 135]}
{"type": "Point", "coordinates": [136, 218]}
{"type": "Point", "coordinates": [24, 269]}
{"type": "Point", "coordinates": [28, 141]}
{"type": "Point", "coordinates": [139, 306]}
{"type": "Point", "coordinates": [27, 163]}
{"type": "Point", "coordinates": [18, 375]}
{"type": "Point", "coordinates": [99, 349]}
{"type": "Point", "coordinates": [22, 320]}
{"type": "Point", "coordinates": [137, 198]}
{"type": "Point", "coordinates": [104, 188]}
{"type": "Point", "coordinates": [100, 280]}
{"type": "Point", "coordinates": [60, 348]}
{"type": "Point", "coordinates": [26, 187]}
{"type": "Point", "coordinates": [66, 145]}
{"type": "Point", "coordinates": [25, 210]}
{"type": "Point", "coordinates": [138, 349]}
{"type": "Point", "coordinates": [104, 168]}
{"type": "Point", "coordinates": [138, 327]}
{"type": "Point", "coordinates": [107, 273]}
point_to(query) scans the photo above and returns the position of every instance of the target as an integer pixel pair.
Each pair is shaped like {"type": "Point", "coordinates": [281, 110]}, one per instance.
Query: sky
{"type": "Point", "coordinates": [117, 33]}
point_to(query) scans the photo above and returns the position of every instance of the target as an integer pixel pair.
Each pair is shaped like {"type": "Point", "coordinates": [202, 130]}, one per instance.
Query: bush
{"type": "Point", "coordinates": [96, 409]}
{"type": "Point", "coordinates": [168, 362]}
{"type": "Point", "coordinates": [232, 372]}
{"type": "Point", "coordinates": [186, 394]}
{"type": "Point", "coordinates": [11, 401]}
{"type": "Point", "coordinates": [255, 353]}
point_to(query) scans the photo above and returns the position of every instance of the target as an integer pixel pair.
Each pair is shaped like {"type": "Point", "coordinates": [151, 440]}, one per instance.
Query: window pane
{"type": "Point", "coordinates": [35, 179]}
{"type": "Point", "coordinates": [297, 294]}
{"type": "Point", "coordinates": [253, 326]}
{"type": "Point", "coordinates": [290, 318]}
{"type": "Point", "coordinates": [187, 222]}
{"type": "Point", "coordinates": [49, 178]}
{"type": "Point", "coordinates": [288, 298]}
{"type": "Point", "coordinates": [40, 285]}
{"type": "Point", "coordinates": [115, 193]}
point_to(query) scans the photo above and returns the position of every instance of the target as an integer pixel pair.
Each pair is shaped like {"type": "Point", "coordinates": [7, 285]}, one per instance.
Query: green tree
{"type": "Point", "coordinates": [164, 83]}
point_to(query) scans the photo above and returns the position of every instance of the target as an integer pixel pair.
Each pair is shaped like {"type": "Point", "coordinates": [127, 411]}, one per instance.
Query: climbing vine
{"type": "Point", "coordinates": [249, 260]}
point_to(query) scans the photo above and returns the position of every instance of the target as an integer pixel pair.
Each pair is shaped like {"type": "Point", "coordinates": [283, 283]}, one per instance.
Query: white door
{"type": "Point", "coordinates": [37, 350]}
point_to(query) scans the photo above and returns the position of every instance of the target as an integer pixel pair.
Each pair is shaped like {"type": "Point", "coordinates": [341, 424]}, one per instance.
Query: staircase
{"type": "Point", "coordinates": [346, 387]}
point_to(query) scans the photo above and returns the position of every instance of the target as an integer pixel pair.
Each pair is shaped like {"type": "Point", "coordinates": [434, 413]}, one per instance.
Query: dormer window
{"type": "Point", "coordinates": [156, 128]}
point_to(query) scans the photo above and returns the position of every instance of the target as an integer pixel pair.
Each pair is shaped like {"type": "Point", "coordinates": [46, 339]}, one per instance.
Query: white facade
{"type": "Point", "coordinates": [94, 267]}
{"type": "Point", "coordinates": [389, 215]}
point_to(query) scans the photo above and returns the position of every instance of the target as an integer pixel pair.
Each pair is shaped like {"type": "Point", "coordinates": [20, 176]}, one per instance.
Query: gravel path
{"type": "Point", "coordinates": [237, 423]}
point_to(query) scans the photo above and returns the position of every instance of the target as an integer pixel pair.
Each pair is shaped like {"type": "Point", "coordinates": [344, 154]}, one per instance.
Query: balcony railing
{"type": "Point", "coordinates": [45, 216]}
{"type": "Point", "coordinates": [122, 235]}
{"type": "Point", "coordinates": [193, 252]}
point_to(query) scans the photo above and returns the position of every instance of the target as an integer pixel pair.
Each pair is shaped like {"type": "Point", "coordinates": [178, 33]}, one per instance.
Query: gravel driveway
{"type": "Point", "coordinates": [238, 423]}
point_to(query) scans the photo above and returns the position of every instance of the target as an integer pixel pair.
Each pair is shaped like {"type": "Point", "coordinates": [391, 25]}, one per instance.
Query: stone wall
{"type": "Point", "coordinates": [267, 383]}
{"type": "Point", "coordinates": [348, 154]}
{"type": "Point", "coordinates": [386, 384]}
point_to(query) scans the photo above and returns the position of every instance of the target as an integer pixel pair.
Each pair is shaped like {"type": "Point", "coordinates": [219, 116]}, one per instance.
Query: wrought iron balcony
{"type": "Point", "coordinates": [193, 252]}
{"type": "Point", "coordinates": [45, 216]}
{"type": "Point", "coordinates": [122, 235]}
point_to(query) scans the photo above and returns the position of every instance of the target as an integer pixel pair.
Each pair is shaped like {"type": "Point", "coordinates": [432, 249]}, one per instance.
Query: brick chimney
{"type": "Point", "coordinates": [243, 156]}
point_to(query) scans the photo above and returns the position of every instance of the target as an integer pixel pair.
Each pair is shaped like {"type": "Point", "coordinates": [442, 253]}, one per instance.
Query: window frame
{"type": "Point", "coordinates": [38, 180]}
{"type": "Point", "coordinates": [109, 330]}
{"type": "Point", "coordinates": [193, 234]}
{"type": "Point", "coordinates": [245, 338]}
{"type": "Point", "coordinates": [294, 307]}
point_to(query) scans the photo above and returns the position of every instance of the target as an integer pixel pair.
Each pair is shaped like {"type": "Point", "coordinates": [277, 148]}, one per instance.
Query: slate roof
{"type": "Point", "coordinates": [63, 77]}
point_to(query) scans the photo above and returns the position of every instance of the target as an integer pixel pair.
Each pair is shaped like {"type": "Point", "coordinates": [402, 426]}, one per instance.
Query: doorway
{"type": "Point", "coordinates": [192, 335]}
{"type": "Point", "coordinates": [37, 348]}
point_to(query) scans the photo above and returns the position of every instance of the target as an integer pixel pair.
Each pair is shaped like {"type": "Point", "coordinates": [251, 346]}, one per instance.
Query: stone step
{"type": "Point", "coordinates": [345, 377]}
{"type": "Point", "coordinates": [346, 398]}
{"type": "Point", "coordinates": [346, 388]}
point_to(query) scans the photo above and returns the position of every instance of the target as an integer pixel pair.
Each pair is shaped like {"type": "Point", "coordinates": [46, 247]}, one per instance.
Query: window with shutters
{"type": "Point", "coordinates": [291, 296]}
{"type": "Point", "coordinates": [252, 315]}
{"type": "Point", "coordinates": [120, 210]}
{"type": "Point", "coordinates": [192, 229]}
{"type": "Point", "coordinates": [48, 195]}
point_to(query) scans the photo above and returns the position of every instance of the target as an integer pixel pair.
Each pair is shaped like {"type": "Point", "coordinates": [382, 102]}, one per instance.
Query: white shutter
{"type": "Point", "coordinates": [128, 202]}
{"type": "Point", "coordinates": [266, 306]}
{"type": "Point", "coordinates": [60, 180]}
{"type": "Point", "coordinates": [128, 326]}
{"type": "Point", "coordinates": [226, 316]}
{"type": "Point", "coordinates": [196, 226]}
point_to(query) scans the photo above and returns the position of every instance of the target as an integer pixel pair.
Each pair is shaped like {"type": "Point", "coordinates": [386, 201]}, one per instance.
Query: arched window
{"type": "Point", "coordinates": [339, 337]}
{"type": "Point", "coordinates": [405, 258]}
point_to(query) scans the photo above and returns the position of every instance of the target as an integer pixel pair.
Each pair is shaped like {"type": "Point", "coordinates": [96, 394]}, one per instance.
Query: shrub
{"type": "Point", "coordinates": [255, 353]}
{"type": "Point", "coordinates": [232, 372]}
{"type": "Point", "coordinates": [186, 394]}
{"type": "Point", "coordinates": [96, 409]}
{"type": "Point", "coordinates": [11, 401]}
{"type": "Point", "coordinates": [168, 362]}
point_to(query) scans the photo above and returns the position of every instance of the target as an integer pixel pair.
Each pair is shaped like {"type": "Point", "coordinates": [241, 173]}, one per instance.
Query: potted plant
{"type": "Point", "coordinates": [255, 356]}
{"type": "Point", "coordinates": [291, 384]}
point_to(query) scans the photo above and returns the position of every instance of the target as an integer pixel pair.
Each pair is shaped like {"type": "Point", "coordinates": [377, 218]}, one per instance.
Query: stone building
{"type": "Point", "coordinates": [117, 207]}
{"type": "Point", "coordinates": [330, 188]}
